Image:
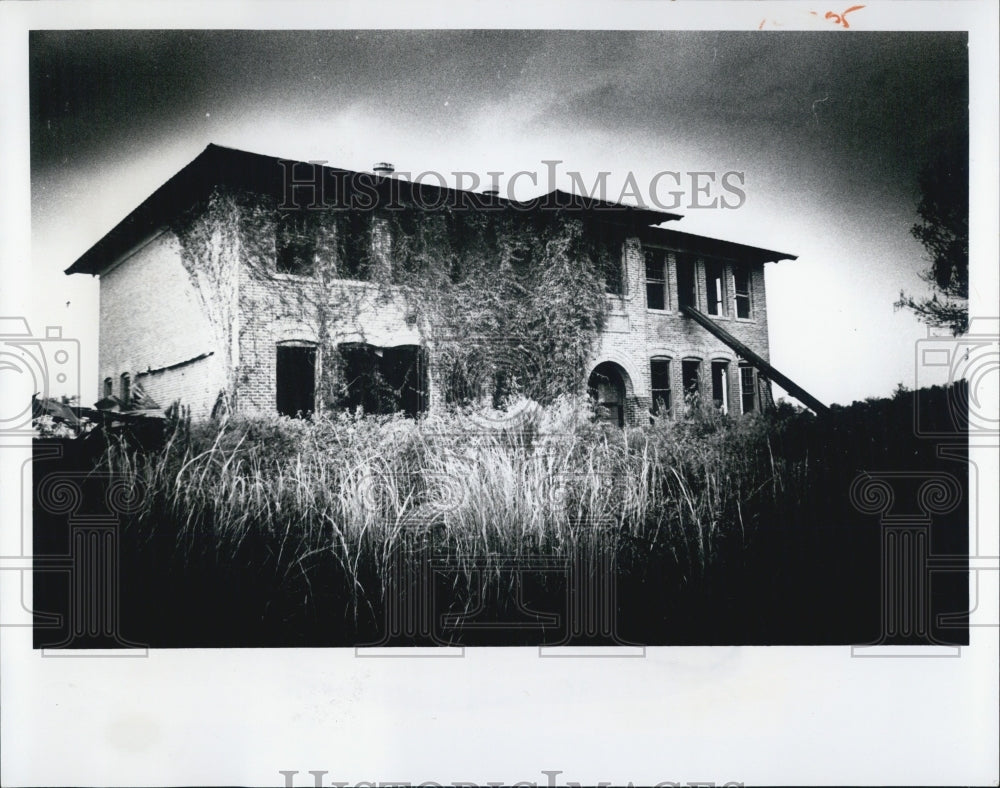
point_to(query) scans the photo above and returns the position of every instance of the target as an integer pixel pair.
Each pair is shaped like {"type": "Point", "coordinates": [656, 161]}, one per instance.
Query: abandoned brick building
{"type": "Point", "coordinates": [192, 309]}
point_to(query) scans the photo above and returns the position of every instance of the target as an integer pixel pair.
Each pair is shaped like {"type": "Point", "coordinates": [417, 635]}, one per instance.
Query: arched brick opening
{"type": "Point", "coordinates": [609, 385]}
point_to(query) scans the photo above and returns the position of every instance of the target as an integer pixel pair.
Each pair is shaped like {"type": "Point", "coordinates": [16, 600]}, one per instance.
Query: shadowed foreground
{"type": "Point", "coordinates": [530, 526]}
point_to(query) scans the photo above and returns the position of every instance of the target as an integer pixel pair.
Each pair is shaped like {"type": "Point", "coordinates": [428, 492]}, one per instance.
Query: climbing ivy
{"type": "Point", "coordinates": [511, 302]}
{"type": "Point", "coordinates": [514, 301]}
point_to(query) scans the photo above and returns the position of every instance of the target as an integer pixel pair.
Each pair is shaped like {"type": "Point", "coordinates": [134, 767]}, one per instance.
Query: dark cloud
{"type": "Point", "coordinates": [887, 94]}
{"type": "Point", "coordinates": [91, 89]}
{"type": "Point", "coordinates": [882, 98]}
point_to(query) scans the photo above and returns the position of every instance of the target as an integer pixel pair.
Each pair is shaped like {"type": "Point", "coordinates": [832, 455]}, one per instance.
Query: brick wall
{"type": "Point", "coordinates": [278, 308]}
{"type": "Point", "coordinates": [152, 317]}
{"type": "Point", "coordinates": [634, 334]}
{"type": "Point", "coordinates": [156, 313]}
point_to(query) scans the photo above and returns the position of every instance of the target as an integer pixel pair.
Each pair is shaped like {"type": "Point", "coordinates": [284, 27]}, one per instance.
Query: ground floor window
{"type": "Point", "coordinates": [748, 388]}
{"type": "Point", "coordinates": [691, 376]}
{"type": "Point", "coordinates": [126, 390]}
{"type": "Point", "coordinates": [383, 379]}
{"type": "Point", "coordinates": [720, 385]}
{"type": "Point", "coordinates": [295, 375]}
{"type": "Point", "coordinates": [659, 381]}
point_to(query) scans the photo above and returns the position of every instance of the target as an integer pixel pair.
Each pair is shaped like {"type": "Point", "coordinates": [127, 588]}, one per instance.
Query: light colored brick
{"type": "Point", "coordinates": [157, 312]}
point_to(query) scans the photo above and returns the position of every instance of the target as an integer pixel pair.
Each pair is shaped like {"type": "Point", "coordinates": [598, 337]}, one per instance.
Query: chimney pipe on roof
{"type": "Point", "coordinates": [383, 168]}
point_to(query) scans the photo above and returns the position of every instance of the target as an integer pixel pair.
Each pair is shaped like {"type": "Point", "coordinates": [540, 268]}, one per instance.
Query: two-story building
{"type": "Point", "coordinates": [207, 297]}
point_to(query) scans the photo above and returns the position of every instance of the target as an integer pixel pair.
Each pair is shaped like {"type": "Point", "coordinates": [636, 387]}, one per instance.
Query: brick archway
{"type": "Point", "coordinates": [610, 386]}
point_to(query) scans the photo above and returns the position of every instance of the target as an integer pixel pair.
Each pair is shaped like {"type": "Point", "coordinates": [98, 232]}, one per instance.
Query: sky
{"type": "Point", "coordinates": [829, 132]}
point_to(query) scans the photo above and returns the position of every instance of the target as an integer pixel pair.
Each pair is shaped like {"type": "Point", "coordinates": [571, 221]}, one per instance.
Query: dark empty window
{"type": "Point", "coordinates": [720, 385]}
{"type": "Point", "coordinates": [296, 243]}
{"type": "Point", "coordinates": [715, 288]}
{"type": "Point", "coordinates": [741, 277]}
{"type": "Point", "coordinates": [405, 369]}
{"type": "Point", "coordinates": [383, 380]}
{"type": "Point", "coordinates": [126, 391]}
{"type": "Point", "coordinates": [356, 240]}
{"type": "Point", "coordinates": [605, 243]}
{"type": "Point", "coordinates": [747, 388]}
{"type": "Point", "coordinates": [659, 380]}
{"type": "Point", "coordinates": [296, 380]}
{"type": "Point", "coordinates": [656, 278]}
{"type": "Point", "coordinates": [109, 387]}
{"type": "Point", "coordinates": [691, 375]}
{"type": "Point", "coordinates": [686, 292]}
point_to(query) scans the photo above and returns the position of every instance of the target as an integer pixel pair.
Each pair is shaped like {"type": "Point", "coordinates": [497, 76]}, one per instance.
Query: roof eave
{"type": "Point", "coordinates": [704, 244]}
{"type": "Point", "coordinates": [146, 219]}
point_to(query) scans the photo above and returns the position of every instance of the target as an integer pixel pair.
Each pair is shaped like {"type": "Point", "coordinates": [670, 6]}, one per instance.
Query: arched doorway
{"type": "Point", "coordinates": [607, 386]}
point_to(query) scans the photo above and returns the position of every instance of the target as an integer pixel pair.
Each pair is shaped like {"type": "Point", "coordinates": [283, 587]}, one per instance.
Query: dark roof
{"type": "Point", "coordinates": [217, 166]}
{"type": "Point", "coordinates": [712, 247]}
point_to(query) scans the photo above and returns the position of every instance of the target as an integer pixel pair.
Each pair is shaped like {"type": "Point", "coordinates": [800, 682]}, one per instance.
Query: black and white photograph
{"type": "Point", "coordinates": [377, 377]}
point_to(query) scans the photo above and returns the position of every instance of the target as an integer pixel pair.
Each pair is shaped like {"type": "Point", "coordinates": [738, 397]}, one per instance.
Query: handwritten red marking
{"type": "Point", "coordinates": [838, 19]}
{"type": "Point", "coordinates": [841, 19]}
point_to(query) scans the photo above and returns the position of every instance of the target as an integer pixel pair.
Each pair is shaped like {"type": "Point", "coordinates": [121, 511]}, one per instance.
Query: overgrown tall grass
{"type": "Point", "coordinates": [300, 527]}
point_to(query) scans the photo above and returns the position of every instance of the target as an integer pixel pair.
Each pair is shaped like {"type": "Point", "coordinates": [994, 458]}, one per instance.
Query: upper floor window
{"type": "Point", "coordinates": [360, 242]}
{"type": "Point", "coordinates": [741, 280]}
{"type": "Point", "coordinates": [659, 381]}
{"type": "Point", "coordinates": [715, 287]}
{"type": "Point", "coordinates": [296, 244]}
{"type": "Point", "coordinates": [656, 279]}
{"type": "Point", "coordinates": [109, 388]}
{"type": "Point", "coordinates": [687, 293]}
{"type": "Point", "coordinates": [606, 244]}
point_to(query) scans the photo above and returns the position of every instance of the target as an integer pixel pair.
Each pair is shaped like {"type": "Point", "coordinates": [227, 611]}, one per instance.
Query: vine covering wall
{"type": "Point", "coordinates": [508, 302]}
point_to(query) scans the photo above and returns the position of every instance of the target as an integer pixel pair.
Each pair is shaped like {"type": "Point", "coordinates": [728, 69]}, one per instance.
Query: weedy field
{"type": "Point", "coordinates": [524, 526]}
